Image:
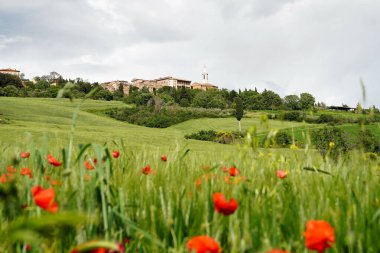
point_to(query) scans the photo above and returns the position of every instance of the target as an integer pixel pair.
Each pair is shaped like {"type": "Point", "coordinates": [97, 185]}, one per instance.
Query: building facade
{"type": "Point", "coordinates": [204, 85]}
{"type": "Point", "coordinates": [114, 86]}
{"type": "Point", "coordinates": [10, 71]}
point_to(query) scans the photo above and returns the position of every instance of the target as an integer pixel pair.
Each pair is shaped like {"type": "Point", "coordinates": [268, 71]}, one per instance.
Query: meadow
{"type": "Point", "coordinates": [151, 190]}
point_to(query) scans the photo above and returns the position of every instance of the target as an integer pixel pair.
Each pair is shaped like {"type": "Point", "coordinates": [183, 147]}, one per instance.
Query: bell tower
{"type": "Point", "coordinates": [204, 75]}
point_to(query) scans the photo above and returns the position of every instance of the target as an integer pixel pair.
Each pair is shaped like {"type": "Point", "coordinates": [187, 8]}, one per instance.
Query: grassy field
{"type": "Point", "coordinates": [161, 211]}
{"type": "Point", "coordinates": [32, 119]}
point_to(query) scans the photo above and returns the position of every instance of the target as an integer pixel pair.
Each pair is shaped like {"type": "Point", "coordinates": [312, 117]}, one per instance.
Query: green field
{"type": "Point", "coordinates": [32, 119]}
{"type": "Point", "coordinates": [162, 211]}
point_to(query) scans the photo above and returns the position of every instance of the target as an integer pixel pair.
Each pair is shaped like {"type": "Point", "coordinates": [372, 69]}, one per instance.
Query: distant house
{"type": "Point", "coordinates": [10, 71]}
{"type": "Point", "coordinates": [141, 83]}
{"type": "Point", "coordinates": [114, 86]}
{"type": "Point", "coordinates": [205, 85]}
{"type": "Point", "coordinates": [172, 82]}
{"type": "Point", "coordinates": [341, 108]}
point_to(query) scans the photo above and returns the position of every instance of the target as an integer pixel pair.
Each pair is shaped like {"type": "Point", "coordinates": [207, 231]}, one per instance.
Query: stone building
{"type": "Point", "coordinates": [172, 82]}
{"type": "Point", "coordinates": [10, 71]}
{"type": "Point", "coordinates": [204, 85]}
{"type": "Point", "coordinates": [114, 86]}
{"type": "Point", "coordinates": [140, 83]}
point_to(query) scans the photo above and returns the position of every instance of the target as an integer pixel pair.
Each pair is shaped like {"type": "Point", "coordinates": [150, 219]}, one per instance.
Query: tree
{"type": "Point", "coordinates": [292, 102]}
{"type": "Point", "coordinates": [270, 100]}
{"type": "Point", "coordinates": [306, 101]}
{"type": "Point", "coordinates": [7, 79]}
{"type": "Point", "coordinates": [239, 110]}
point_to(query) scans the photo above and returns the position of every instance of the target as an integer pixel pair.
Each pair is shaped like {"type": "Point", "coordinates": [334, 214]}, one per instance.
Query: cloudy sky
{"type": "Point", "coordinates": [289, 46]}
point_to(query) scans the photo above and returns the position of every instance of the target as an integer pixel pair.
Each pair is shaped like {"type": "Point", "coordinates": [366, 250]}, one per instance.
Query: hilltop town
{"type": "Point", "coordinates": [168, 81]}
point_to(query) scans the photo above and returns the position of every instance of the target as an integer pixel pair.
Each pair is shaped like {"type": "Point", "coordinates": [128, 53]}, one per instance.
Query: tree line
{"type": "Point", "coordinates": [13, 86]}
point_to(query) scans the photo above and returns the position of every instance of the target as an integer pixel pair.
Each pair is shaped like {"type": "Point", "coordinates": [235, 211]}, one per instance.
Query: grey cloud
{"type": "Point", "coordinates": [288, 46]}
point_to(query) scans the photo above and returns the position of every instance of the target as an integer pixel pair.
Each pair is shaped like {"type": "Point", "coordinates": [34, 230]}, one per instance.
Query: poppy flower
{"type": "Point", "coordinates": [44, 198]}
{"type": "Point", "coordinates": [53, 161]}
{"type": "Point", "coordinates": [24, 154]}
{"type": "Point", "coordinates": [319, 235]}
{"type": "Point", "coordinates": [225, 169]}
{"type": "Point", "coordinates": [198, 182]}
{"type": "Point", "coordinates": [55, 183]}
{"type": "Point", "coordinates": [281, 174]}
{"type": "Point", "coordinates": [115, 154]}
{"type": "Point", "coordinates": [164, 158]}
{"type": "Point", "coordinates": [3, 178]}
{"type": "Point", "coordinates": [203, 244]}
{"type": "Point", "coordinates": [28, 247]}
{"type": "Point", "coordinates": [147, 170]}
{"type": "Point", "coordinates": [11, 170]}
{"type": "Point", "coordinates": [26, 172]}
{"type": "Point", "coordinates": [234, 171]}
{"type": "Point", "coordinates": [88, 165]}
{"type": "Point", "coordinates": [221, 205]}
{"type": "Point", "coordinates": [47, 177]}
{"type": "Point", "coordinates": [277, 251]}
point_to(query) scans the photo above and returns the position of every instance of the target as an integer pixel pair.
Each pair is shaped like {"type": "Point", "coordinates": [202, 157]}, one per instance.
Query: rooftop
{"type": "Point", "coordinates": [9, 70]}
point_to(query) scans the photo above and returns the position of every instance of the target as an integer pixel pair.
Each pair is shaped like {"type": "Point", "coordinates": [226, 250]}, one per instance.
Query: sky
{"type": "Point", "coordinates": [288, 46]}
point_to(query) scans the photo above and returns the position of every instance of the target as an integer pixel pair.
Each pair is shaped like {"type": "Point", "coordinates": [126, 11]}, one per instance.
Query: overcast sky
{"type": "Point", "coordinates": [322, 47]}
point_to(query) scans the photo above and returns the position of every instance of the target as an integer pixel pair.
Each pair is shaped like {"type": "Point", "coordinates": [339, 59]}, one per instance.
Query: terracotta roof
{"type": "Point", "coordinates": [170, 78]}
{"type": "Point", "coordinates": [10, 70]}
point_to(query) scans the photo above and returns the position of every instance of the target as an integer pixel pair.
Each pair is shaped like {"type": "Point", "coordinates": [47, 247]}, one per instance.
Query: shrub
{"type": "Point", "coordinates": [9, 91]}
{"type": "Point", "coordinates": [367, 141]}
{"type": "Point", "coordinates": [165, 117]}
{"type": "Point", "coordinates": [330, 140]}
{"type": "Point", "coordinates": [223, 137]}
{"type": "Point", "coordinates": [283, 139]}
{"type": "Point", "coordinates": [203, 135]}
{"type": "Point", "coordinates": [292, 116]}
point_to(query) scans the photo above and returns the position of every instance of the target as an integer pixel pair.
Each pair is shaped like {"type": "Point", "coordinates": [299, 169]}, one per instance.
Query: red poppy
{"type": "Point", "coordinates": [164, 158]}
{"type": "Point", "coordinates": [44, 198]}
{"type": "Point", "coordinates": [3, 179]}
{"type": "Point", "coordinates": [28, 247]}
{"type": "Point", "coordinates": [26, 172]}
{"type": "Point", "coordinates": [203, 244]}
{"type": "Point", "coordinates": [24, 154]}
{"type": "Point", "coordinates": [147, 170]}
{"type": "Point", "coordinates": [53, 161]}
{"type": "Point", "coordinates": [198, 182]}
{"type": "Point", "coordinates": [281, 174]}
{"type": "Point", "coordinates": [277, 251]}
{"type": "Point", "coordinates": [88, 165]}
{"type": "Point", "coordinates": [319, 235]}
{"type": "Point", "coordinates": [115, 154]}
{"type": "Point", "coordinates": [234, 171]}
{"type": "Point", "coordinates": [55, 183]}
{"type": "Point", "coordinates": [11, 170]}
{"type": "Point", "coordinates": [47, 177]}
{"type": "Point", "coordinates": [225, 169]}
{"type": "Point", "coordinates": [223, 206]}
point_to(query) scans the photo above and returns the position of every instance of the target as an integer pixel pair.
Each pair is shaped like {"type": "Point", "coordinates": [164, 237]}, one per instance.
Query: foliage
{"type": "Point", "coordinates": [239, 108]}
{"type": "Point", "coordinates": [292, 102]}
{"type": "Point", "coordinates": [209, 99]}
{"type": "Point", "coordinates": [224, 137]}
{"type": "Point", "coordinates": [7, 79]}
{"type": "Point", "coordinates": [165, 117]}
{"type": "Point", "coordinates": [9, 91]}
{"type": "Point", "coordinates": [367, 141]}
{"type": "Point", "coordinates": [307, 101]}
{"type": "Point", "coordinates": [331, 141]}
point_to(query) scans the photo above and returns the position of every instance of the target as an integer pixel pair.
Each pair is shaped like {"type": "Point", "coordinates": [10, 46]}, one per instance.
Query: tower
{"type": "Point", "coordinates": [205, 75]}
